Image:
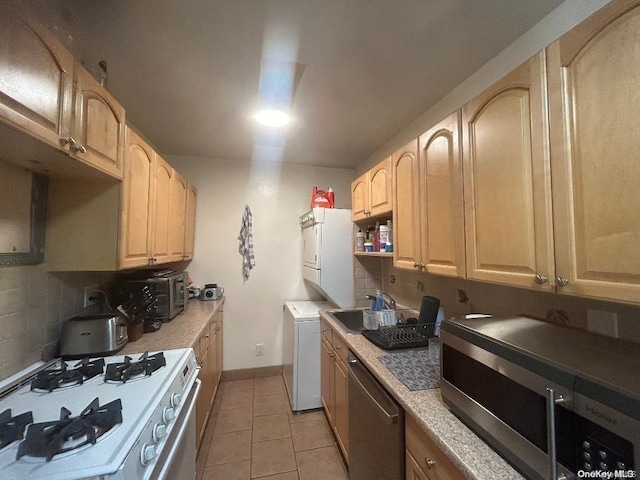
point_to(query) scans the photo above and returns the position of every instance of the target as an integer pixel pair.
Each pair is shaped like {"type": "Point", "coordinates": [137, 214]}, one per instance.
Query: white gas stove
{"type": "Point", "coordinates": [126, 419]}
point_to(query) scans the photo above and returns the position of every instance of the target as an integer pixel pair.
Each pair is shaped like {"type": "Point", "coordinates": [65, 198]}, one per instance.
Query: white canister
{"type": "Point", "coordinates": [360, 241]}
{"type": "Point", "coordinates": [384, 237]}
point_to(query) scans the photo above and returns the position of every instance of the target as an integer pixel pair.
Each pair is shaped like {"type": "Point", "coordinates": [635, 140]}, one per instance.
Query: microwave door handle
{"type": "Point", "coordinates": [552, 400]}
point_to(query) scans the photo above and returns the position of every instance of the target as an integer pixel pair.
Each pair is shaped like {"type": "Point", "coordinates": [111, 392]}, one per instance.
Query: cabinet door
{"type": "Point", "coordinates": [380, 193]}
{"type": "Point", "coordinates": [135, 222]}
{"type": "Point", "coordinates": [212, 360]}
{"type": "Point", "coordinates": [360, 198]}
{"type": "Point", "coordinates": [98, 125]}
{"type": "Point", "coordinates": [441, 199]}
{"type": "Point", "coordinates": [341, 381]}
{"type": "Point", "coordinates": [414, 472]}
{"type": "Point", "coordinates": [326, 380]}
{"type": "Point", "coordinates": [406, 207]}
{"type": "Point", "coordinates": [162, 178]}
{"type": "Point", "coordinates": [594, 105]}
{"type": "Point", "coordinates": [507, 191]}
{"type": "Point", "coordinates": [35, 79]}
{"type": "Point", "coordinates": [202, 403]}
{"type": "Point", "coordinates": [177, 213]}
{"type": "Point", "coordinates": [219, 348]}
{"type": "Point", "coordinates": [190, 219]}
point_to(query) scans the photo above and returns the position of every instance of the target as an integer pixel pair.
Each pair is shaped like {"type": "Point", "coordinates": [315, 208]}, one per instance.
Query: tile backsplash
{"type": "Point", "coordinates": [408, 287]}
{"type": "Point", "coordinates": [34, 304]}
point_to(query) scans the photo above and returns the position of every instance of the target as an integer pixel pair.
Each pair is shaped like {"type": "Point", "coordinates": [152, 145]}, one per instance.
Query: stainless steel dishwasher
{"type": "Point", "coordinates": [376, 427]}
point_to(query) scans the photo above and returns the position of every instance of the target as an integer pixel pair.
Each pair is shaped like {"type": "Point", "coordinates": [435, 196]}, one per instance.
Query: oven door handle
{"type": "Point", "coordinates": [553, 399]}
{"type": "Point", "coordinates": [183, 428]}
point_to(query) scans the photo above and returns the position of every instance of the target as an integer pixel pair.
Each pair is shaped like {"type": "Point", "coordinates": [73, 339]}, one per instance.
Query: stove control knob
{"type": "Point", "coordinates": [176, 399]}
{"type": "Point", "coordinates": [147, 454]}
{"type": "Point", "coordinates": [168, 414]}
{"type": "Point", "coordinates": [159, 432]}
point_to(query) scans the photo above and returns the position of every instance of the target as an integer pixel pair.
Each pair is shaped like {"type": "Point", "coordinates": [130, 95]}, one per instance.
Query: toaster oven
{"type": "Point", "coordinates": [169, 288]}
{"type": "Point", "coordinates": [556, 403]}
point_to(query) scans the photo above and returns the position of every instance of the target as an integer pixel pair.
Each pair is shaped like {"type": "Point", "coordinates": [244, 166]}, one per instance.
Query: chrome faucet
{"type": "Point", "coordinates": [391, 304]}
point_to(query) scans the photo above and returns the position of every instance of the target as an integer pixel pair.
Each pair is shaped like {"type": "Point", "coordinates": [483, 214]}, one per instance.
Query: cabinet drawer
{"type": "Point", "coordinates": [428, 456]}
{"type": "Point", "coordinates": [340, 348]}
{"type": "Point", "coordinates": [326, 331]}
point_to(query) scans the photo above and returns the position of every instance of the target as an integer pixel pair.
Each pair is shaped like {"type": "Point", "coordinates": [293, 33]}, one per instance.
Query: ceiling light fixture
{"type": "Point", "coordinates": [272, 118]}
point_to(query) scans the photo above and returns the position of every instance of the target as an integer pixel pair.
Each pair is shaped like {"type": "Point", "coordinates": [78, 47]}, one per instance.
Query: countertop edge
{"type": "Point", "coordinates": [475, 459]}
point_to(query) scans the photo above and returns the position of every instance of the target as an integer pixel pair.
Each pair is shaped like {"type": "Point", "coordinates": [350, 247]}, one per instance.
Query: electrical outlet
{"type": "Point", "coordinates": [604, 323]}
{"type": "Point", "coordinates": [90, 291]}
{"type": "Point", "coordinates": [259, 349]}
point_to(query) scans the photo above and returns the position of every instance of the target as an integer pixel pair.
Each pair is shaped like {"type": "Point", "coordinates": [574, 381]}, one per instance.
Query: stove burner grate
{"type": "Point", "coordinates": [54, 378]}
{"type": "Point", "coordinates": [48, 439]}
{"type": "Point", "coordinates": [127, 370]}
{"type": "Point", "coordinates": [12, 428]}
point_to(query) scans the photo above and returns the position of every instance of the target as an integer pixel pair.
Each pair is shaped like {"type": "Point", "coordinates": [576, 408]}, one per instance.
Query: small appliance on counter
{"type": "Point", "coordinates": [93, 335]}
{"type": "Point", "coordinates": [211, 291]}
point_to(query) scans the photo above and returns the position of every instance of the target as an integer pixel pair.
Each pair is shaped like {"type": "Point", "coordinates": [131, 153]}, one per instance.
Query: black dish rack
{"type": "Point", "coordinates": [401, 336]}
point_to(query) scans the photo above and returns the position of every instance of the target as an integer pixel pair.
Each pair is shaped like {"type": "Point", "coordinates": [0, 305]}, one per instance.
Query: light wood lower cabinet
{"type": "Point", "coordinates": [209, 355]}
{"type": "Point", "coordinates": [507, 183]}
{"type": "Point", "coordinates": [334, 389]}
{"type": "Point", "coordinates": [424, 459]}
{"type": "Point", "coordinates": [594, 104]}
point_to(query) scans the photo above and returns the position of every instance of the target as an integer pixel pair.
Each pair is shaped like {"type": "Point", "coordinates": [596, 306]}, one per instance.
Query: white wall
{"type": "Point", "coordinates": [550, 28]}
{"type": "Point", "coordinates": [277, 195]}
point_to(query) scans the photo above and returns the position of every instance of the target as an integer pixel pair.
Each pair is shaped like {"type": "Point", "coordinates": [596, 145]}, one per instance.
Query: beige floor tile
{"type": "Point", "coordinates": [229, 471]}
{"type": "Point", "coordinates": [282, 476]}
{"type": "Point", "coordinates": [307, 416]}
{"type": "Point", "coordinates": [308, 435]}
{"type": "Point", "coordinates": [320, 464]}
{"type": "Point", "coordinates": [238, 385]}
{"type": "Point", "coordinates": [233, 420]}
{"type": "Point", "coordinates": [271, 457]}
{"type": "Point", "coordinates": [270, 404]}
{"type": "Point", "coordinates": [236, 399]}
{"type": "Point", "coordinates": [270, 427]}
{"type": "Point", "coordinates": [230, 447]}
{"type": "Point", "coordinates": [268, 385]}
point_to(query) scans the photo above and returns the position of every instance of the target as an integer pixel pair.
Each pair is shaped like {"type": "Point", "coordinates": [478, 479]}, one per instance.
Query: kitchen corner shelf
{"type": "Point", "coordinates": [374, 254]}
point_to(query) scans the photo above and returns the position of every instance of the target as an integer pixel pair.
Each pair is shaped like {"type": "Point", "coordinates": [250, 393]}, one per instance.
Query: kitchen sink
{"type": "Point", "coordinates": [350, 320]}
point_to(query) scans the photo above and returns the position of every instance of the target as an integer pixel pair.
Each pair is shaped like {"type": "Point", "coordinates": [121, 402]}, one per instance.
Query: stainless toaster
{"type": "Point", "coordinates": [93, 335]}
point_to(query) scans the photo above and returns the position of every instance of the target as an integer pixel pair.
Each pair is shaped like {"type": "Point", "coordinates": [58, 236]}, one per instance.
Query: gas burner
{"type": "Point", "coordinates": [54, 378]}
{"type": "Point", "coordinates": [12, 428]}
{"type": "Point", "coordinates": [127, 370]}
{"type": "Point", "coordinates": [48, 439]}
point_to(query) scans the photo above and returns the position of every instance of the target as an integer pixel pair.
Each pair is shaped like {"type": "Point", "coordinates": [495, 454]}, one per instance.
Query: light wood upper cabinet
{"type": "Point", "coordinates": [98, 125]}
{"type": "Point", "coordinates": [162, 179]}
{"type": "Point", "coordinates": [177, 210]}
{"type": "Point", "coordinates": [371, 193]}
{"type": "Point", "coordinates": [441, 199]}
{"type": "Point", "coordinates": [406, 207]}
{"type": "Point", "coordinates": [36, 79]}
{"type": "Point", "coordinates": [190, 221]}
{"type": "Point", "coordinates": [507, 184]}
{"type": "Point", "coordinates": [595, 133]}
{"type": "Point", "coordinates": [135, 226]}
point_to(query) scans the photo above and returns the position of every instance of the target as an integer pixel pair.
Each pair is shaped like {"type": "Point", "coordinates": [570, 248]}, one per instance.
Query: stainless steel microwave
{"type": "Point", "coordinates": [170, 288]}
{"type": "Point", "coordinates": [554, 402]}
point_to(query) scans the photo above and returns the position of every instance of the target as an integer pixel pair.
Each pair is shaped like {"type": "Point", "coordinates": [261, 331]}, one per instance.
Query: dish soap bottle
{"type": "Point", "coordinates": [378, 302]}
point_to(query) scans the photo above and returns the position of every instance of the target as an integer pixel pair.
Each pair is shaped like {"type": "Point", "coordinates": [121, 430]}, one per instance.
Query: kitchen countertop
{"type": "Point", "coordinates": [181, 332]}
{"type": "Point", "coordinates": [475, 459]}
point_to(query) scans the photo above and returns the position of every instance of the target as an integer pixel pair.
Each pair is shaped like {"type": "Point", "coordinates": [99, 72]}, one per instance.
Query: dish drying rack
{"type": "Point", "coordinates": [401, 336]}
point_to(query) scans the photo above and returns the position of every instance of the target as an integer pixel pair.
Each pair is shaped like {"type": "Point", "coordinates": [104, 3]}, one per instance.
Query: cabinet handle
{"type": "Point", "coordinates": [416, 265]}
{"type": "Point", "coordinates": [325, 329]}
{"type": "Point", "coordinates": [338, 347]}
{"type": "Point", "coordinates": [430, 462]}
{"type": "Point", "coordinates": [541, 279]}
{"type": "Point", "coordinates": [81, 148]}
{"type": "Point", "coordinates": [69, 141]}
{"type": "Point", "coordinates": [562, 281]}
{"type": "Point", "coordinates": [331, 354]}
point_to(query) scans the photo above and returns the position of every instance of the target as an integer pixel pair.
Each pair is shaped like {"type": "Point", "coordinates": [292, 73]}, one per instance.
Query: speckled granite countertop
{"type": "Point", "coordinates": [181, 332]}
{"type": "Point", "coordinates": [475, 459]}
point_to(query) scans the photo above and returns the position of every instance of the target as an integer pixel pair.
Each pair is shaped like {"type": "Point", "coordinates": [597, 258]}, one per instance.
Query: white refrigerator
{"type": "Point", "coordinates": [301, 353]}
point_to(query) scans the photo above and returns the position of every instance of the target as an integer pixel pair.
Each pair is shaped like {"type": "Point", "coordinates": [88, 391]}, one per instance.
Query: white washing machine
{"type": "Point", "coordinates": [301, 353]}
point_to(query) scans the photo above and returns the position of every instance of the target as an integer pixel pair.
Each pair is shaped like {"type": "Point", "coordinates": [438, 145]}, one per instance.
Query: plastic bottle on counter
{"type": "Point", "coordinates": [360, 241]}
{"type": "Point", "coordinates": [384, 237]}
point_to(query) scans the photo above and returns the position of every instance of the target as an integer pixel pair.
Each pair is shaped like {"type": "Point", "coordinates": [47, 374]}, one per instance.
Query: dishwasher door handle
{"type": "Point", "coordinates": [390, 418]}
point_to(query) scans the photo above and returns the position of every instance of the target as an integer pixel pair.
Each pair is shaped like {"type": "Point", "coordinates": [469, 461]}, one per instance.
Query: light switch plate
{"type": "Point", "coordinates": [604, 323]}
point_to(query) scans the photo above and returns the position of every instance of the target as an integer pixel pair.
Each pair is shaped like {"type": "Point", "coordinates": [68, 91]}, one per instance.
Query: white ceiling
{"type": "Point", "coordinates": [188, 72]}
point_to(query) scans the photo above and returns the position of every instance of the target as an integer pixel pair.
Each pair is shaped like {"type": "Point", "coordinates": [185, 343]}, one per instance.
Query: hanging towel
{"type": "Point", "coordinates": [246, 243]}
